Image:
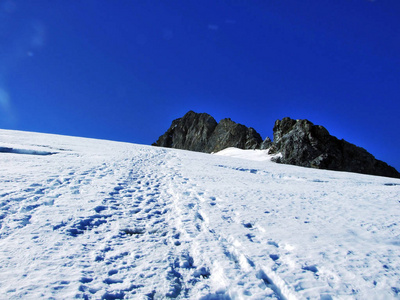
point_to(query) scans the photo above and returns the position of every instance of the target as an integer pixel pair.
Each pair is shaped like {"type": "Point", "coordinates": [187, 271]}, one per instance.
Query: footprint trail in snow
{"type": "Point", "coordinates": [104, 220]}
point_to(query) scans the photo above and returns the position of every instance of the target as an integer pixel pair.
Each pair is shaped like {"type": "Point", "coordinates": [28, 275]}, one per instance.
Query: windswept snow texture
{"type": "Point", "coordinates": [108, 220]}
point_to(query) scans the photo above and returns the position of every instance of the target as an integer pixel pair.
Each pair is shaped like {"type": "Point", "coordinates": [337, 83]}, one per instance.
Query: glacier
{"type": "Point", "coordinates": [94, 219]}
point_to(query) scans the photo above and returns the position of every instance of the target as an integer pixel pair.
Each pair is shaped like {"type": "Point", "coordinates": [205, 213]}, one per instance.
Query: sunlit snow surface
{"type": "Point", "coordinates": [105, 220]}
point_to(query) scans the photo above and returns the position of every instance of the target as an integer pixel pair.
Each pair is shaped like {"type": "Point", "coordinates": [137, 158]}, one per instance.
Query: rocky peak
{"type": "Point", "coordinates": [299, 142]}
{"type": "Point", "coordinates": [200, 132]}
{"type": "Point", "coordinates": [302, 143]}
{"type": "Point", "coordinates": [231, 134]}
{"type": "Point", "coordinates": [191, 132]}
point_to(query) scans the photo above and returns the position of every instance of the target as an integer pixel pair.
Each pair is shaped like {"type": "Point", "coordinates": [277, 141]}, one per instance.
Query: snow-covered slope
{"type": "Point", "coordinates": [105, 220]}
{"type": "Point", "coordinates": [250, 154]}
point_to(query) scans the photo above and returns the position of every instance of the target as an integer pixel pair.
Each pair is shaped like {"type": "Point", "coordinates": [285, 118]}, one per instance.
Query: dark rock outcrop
{"type": "Point", "coordinates": [230, 134]}
{"type": "Point", "coordinates": [191, 132]}
{"type": "Point", "coordinates": [200, 132]}
{"type": "Point", "coordinates": [266, 144]}
{"type": "Point", "coordinates": [299, 142]}
{"type": "Point", "coordinates": [302, 143]}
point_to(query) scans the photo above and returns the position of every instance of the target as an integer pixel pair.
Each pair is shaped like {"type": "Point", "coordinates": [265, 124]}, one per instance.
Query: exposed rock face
{"type": "Point", "coordinates": [299, 142]}
{"type": "Point", "coordinates": [200, 132]}
{"type": "Point", "coordinates": [266, 144]}
{"type": "Point", "coordinates": [230, 134]}
{"type": "Point", "coordinates": [191, 132]}
{"type": "Point", "coordinates": [304, 144]}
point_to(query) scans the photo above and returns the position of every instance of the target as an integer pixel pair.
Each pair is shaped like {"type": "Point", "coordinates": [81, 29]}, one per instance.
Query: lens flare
{"type": "Point", "coordinates": [6, 114]}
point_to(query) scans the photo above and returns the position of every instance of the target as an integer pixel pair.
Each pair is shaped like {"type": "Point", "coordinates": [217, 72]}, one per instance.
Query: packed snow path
{"type": "Point", "coordinates": [91, 219]}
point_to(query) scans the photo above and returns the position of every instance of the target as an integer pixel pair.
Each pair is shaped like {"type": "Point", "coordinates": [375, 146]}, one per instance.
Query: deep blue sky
{"type": "Point", "coordinates": [123, 70]}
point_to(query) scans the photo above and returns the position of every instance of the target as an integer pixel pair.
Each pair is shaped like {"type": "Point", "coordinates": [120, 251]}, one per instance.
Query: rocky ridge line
{"type": "Point", "coordinates": [200, 132]}
{"type": "Point", "coordinates": [299, 142]}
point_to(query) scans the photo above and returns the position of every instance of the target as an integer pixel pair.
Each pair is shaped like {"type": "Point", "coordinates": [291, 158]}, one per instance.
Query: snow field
{"type": "Point", "coordinates": [108, 220]}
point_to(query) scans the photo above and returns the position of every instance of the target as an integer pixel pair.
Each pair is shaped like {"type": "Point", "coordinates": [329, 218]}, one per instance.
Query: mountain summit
{"type": "Point", "coordinates": [200, 132]}
{"type": "Point", "coordinates": [302, 143]}
{"type": "Point", "coordinates": [299, 142]}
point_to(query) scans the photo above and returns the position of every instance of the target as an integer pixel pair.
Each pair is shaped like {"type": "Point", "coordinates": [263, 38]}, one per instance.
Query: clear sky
{"type": "Point", "coordinates": [123, 70]}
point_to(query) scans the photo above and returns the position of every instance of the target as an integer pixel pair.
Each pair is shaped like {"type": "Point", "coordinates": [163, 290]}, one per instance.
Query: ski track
{"type": "Point", "coordinates": [136, 222]}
